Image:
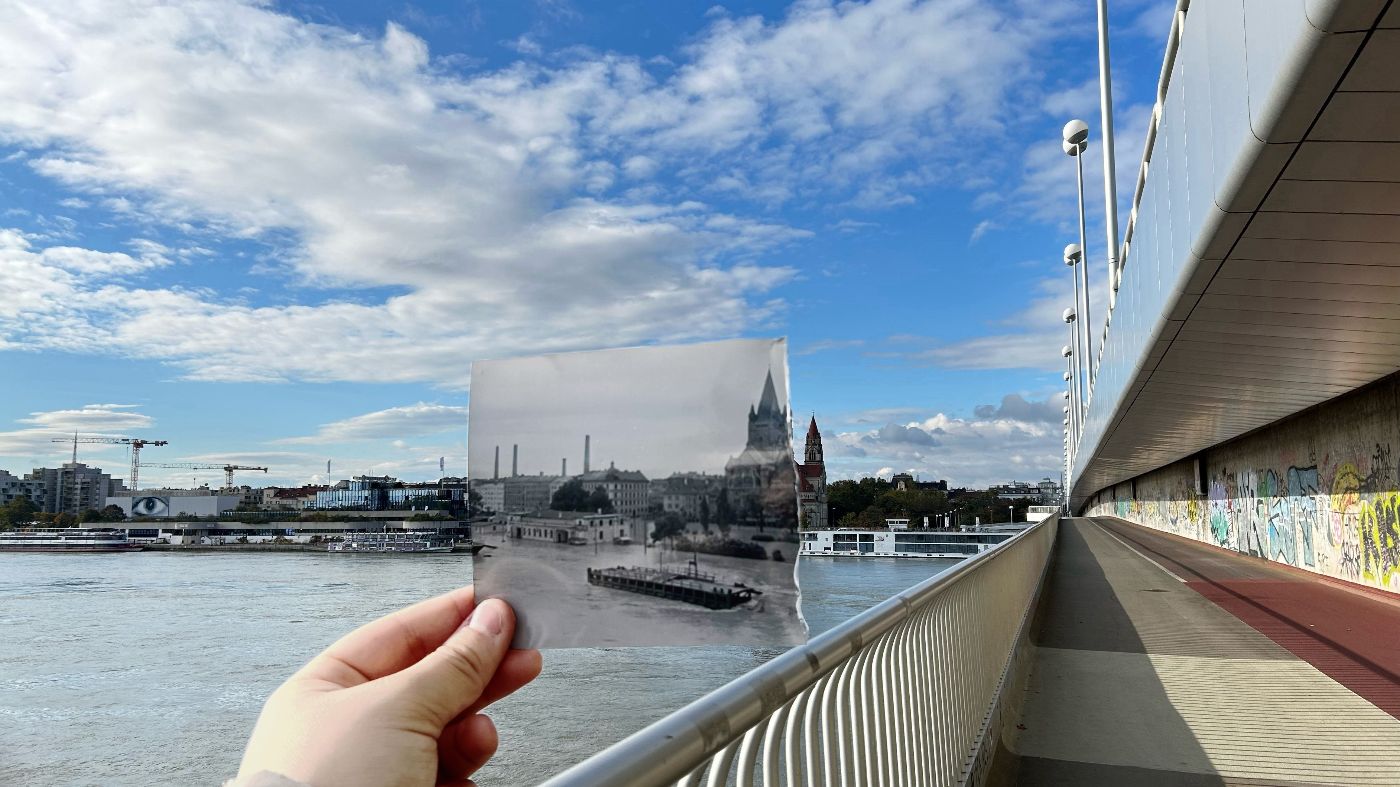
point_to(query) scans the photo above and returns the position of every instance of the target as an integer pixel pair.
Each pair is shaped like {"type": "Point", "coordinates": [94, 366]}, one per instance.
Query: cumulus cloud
{"type": "Point", "coordinates": [1015, 407]}
{"type": "Point", "coordinates": [496, 208]}
{"type": "Point", "coordinates": [394, 422]}
{"type": "Point", "coordinates": [1018, 439]}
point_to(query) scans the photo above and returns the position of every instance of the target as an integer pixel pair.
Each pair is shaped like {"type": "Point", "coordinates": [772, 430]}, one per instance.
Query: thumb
{"type": "Point", "coordinates": [448, 680]}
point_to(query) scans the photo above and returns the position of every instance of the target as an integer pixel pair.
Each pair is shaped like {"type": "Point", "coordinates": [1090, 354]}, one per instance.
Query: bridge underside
{"type": "Point", "coordinates": [1161, 661]}
{"type": "Point", "coordinates": [1290, 294]}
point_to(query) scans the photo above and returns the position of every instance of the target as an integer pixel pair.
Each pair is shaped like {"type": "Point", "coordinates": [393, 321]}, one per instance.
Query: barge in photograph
{"type": "Point", "coordinates": [692, 586]}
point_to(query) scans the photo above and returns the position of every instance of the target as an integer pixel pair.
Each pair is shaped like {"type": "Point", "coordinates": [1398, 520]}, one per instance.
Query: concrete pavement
{"type": "Point", "coordinates": [1165, 663]}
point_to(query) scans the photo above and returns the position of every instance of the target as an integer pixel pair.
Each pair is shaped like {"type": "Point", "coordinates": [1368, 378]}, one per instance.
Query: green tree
{"type": "Point", "coordinates": [65, 519]}
{"type": "Point", "coordinates": [113, 514]}
{"type": "Point", "coordinates": [90, 515]}
{"type": "Point", "coordinates": [17, 512]}
{"type": "Point", "coordinates": [705, 514]}
{"type": "Point", "coordinates": [473, 502]}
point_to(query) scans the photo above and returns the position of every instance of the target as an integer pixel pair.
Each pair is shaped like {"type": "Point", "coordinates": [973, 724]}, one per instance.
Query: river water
{"type": "Point", "coordinates": [150, 668]}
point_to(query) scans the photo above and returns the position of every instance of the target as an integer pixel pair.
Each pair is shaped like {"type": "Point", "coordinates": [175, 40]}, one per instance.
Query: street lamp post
{"type": "Point", "coordinates": [1110, 176]}
{"type": "Point", "coordinates": [1081, 391]}
{"type": "Point", "coordinates": [1072, 399]}
{"type": "Point", "coordinates": [1076, 141]}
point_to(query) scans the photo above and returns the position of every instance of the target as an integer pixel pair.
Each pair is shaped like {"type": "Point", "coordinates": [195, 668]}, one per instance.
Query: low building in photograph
{"type": "Point", "coordinates": [564, 527]}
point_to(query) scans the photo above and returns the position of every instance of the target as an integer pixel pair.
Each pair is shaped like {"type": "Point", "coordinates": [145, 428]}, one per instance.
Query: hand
{"type": "Point", "coordinates": [397, 701]}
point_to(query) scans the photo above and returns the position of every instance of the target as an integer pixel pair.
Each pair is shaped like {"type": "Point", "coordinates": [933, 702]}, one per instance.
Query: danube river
{"type": "Point", "coordinates": [150, 668]}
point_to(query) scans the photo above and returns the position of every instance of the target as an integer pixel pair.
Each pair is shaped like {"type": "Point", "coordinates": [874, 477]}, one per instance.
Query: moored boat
{"type": "Point", "coordinates": [846, 542]}
{"type": "Point", "coordinates": [67, 539]}
{"type": "Point", "coordinates": [405, 542]}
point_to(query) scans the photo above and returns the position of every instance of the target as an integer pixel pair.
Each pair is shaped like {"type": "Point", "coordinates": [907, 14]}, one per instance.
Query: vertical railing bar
{"type": "Point", "coordinates": [925, 678]}
{"type": "Point", "coordinates": [792, 737]}
{"type": "Point", "coordinates": [771, 738]}
{"type": "Point", "coordinates": [830, 720]}
{"type": "Point", "coordinates": [845, 722]}
{"type": "Point", "coordinates": [875, 743]}
{"type": "Point", "coordinates": [748, 754]}
{"type": "Point", "coordinates": [692, 779]}
{"type": "Point", "coordinates": [905, 750]}
{"type": "Point", "coordinates": [860, 714]}
{"type": "Point", "coordinates": [811, 740]}
{"type": "Point", "coordinates": [720, 765]}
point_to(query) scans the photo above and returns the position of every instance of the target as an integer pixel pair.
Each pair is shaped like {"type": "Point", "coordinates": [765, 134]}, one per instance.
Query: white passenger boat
{"type": "Point", "coordinates": [404, 542]}
{"type": "Point", "coordinates": [67, 539]}
{"type": "Point", "coordinates": [849, 542]}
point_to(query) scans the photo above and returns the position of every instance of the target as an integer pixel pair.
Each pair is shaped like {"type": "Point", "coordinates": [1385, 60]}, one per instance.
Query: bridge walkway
{"type": "Point", "coordinates": [1162, 661]}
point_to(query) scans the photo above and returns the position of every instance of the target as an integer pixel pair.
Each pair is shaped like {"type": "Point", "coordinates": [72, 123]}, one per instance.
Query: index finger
{"type": "Point", "coordinates": [393, 642]}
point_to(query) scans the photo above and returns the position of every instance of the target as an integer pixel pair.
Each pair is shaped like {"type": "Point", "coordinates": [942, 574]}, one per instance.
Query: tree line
{"type": "Point", "coordinates": [868, 502]}
{"type": "Point", "coordinates": [21, 512]}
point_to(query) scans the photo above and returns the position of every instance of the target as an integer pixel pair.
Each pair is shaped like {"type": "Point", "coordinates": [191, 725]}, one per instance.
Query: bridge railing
{"type": "Point", "coordinates": [905, 693]}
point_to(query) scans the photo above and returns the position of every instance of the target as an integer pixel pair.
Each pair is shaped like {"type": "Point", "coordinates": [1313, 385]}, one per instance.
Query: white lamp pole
{"type": "Point", "coordinates": [1110, 177]}
{"type": "Point", "coordinates": [1076, 141]}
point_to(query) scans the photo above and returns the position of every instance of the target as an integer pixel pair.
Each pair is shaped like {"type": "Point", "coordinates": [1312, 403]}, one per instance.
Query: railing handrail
{"type": "Point", "coordinates": [671, 748]}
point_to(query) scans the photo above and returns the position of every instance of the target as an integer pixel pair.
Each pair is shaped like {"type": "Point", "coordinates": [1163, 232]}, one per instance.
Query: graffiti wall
{"type": "Point", "coordinates": [1318, 491]}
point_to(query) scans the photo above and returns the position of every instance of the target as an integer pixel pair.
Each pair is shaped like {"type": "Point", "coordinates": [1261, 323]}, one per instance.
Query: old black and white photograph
{"type": "Point", "coordinates": [638, 497]}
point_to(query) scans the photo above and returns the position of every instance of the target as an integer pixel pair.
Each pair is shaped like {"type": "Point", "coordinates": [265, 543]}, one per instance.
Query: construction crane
{"type": "Point", "coordinates": [227, 468]}
{"type": "Point", "coordinates": [135, 443]}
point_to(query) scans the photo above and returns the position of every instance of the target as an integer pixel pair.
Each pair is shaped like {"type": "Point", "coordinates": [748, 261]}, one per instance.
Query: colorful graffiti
{"type": "Point", "coordinates": [1339, 516]}
{"type": "Point", "coordinates": [1380, 540]}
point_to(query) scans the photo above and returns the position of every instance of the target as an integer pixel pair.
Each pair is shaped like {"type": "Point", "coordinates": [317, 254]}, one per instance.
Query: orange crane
{"type": "Point", "coordinates": [135, 443]}
{"type": "Point", "coordinates": [227, 468]}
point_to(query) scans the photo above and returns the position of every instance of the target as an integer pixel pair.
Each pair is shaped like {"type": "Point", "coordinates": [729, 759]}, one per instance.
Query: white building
{"type": "Point", "coordinates": [171, 506]}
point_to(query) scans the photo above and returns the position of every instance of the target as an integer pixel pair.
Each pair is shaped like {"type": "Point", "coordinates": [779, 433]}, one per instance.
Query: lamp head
{"type": "Point", "coordinates": [1076, 136]}
{"type": "Point", "coordinates": [1067, 375]}
{"type": "Point", "coordinates": [1069, 315]}
{"type": "Point", "coordinates": [1066, 351]}
{"type": "Point", "coordinates": [1073, 254]}
{"type": "Point", "coordinates": [1064, 395]}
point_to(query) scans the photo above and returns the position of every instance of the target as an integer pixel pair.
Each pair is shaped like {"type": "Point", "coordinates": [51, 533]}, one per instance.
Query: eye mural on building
{"type": "Point", "coordinates": [150, 506]}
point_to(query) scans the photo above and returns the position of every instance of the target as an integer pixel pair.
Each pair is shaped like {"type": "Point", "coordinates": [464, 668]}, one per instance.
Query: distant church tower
{"type": "Point", "coordinates": [811, 489]}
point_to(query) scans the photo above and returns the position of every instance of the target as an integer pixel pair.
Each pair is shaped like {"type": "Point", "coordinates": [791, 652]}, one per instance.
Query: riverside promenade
{"type": "Point", "coordinates": [1162, 661]}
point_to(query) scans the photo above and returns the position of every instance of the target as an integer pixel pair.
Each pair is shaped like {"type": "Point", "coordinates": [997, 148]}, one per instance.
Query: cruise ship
{"type": "Point", "coordinates": [848, 542]}
{"type": "Point", "coordinates": [393, 543]}
{"type": "Point", "coordinates": [67, 539]}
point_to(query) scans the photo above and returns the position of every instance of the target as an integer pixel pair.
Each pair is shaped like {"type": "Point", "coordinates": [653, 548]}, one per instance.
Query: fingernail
{"type": "Point", "coordinates": [487, 618]}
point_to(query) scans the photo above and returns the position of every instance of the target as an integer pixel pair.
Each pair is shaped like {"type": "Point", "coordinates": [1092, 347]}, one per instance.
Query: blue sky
{"type": "Point", "coordinates": [278, 233]}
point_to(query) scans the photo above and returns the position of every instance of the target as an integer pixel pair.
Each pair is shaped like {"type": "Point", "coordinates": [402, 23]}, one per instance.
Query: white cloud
{"type": "Point", "coordinates": [983, 227]}
{"type": "Point", "coordinates": [394, 422]}
{"type": "Point", "coordinates": [1018, 439]}
{"type": "Point", "coordinates": [483, 201]}
{"type": "Point", "coordinates": [44, 429]}
{"type": "Point", "coordinates": [825, 345]}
